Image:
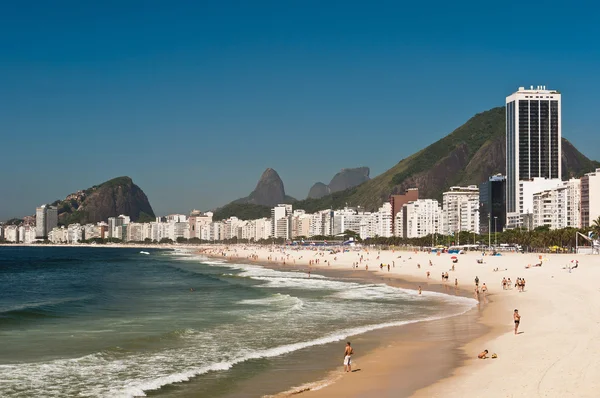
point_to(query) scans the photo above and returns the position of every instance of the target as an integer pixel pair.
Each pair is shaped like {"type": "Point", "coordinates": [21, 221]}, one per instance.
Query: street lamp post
{"type": "Point", "coordinates": [489, 230]}
{"type": "Point", "coordinates": [495, 231]}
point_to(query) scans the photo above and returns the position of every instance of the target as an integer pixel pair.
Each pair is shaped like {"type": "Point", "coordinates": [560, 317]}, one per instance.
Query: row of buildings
{"type": "Point", "coordinates": [480, 210]}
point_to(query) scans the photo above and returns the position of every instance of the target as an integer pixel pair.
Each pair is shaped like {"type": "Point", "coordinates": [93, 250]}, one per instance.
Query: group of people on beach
{"type": "Point", "coordinates": [506, 283]}
{"type": "Point", "coordinates": [520, 284]}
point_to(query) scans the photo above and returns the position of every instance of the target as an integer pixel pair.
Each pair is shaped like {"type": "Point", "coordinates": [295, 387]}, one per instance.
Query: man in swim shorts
{"type": "Point", "coordinates": [348, 358]}
{"type": "Point", "coordinates": [517, 319]}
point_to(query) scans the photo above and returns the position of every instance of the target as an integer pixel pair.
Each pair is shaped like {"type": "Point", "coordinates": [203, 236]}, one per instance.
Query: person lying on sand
{"type": "Point", "coordinates": [483, 355]}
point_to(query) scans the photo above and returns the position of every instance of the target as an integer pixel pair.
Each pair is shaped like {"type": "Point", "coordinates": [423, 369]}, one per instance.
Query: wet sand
{"type": "Point", "coordinates": [395, 361]}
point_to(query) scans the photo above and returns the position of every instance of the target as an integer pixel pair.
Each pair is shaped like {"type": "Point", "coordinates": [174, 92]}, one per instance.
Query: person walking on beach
{"type": "Point", "coordinates": [517, 319]}
{"type": "Point", "coordinates": [484, 291]}
{"type": "Point", "coordinates": [348, 357]}
{"type": "Point", "coordinates": [477, 281]}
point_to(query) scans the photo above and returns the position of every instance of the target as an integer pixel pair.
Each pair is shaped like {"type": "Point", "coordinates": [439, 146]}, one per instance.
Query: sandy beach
{"type": "Point", "coordinates": [551, 356]}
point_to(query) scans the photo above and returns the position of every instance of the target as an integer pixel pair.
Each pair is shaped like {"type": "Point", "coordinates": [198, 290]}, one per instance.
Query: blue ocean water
{"type": "Point", "coordinates": [113, 322]}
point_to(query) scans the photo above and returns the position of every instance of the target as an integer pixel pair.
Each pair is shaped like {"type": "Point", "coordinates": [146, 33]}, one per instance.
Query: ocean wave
{"type": "Point", "coordinates": [139, 388]}
{"type": "Point", "coordinates": [40, 307]}
{"type": "Point", "coordinates": [286, 301]}
{"type": "Point", "coordinates": [304, 283]}
{"type": "Point", "coordinates": [253, 271]}
{"type": "Point", "coordinates": [147, 372]}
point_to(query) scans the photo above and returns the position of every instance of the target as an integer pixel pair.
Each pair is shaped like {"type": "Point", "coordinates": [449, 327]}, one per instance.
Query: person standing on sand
{"type": "Point", "coordinates": [477, 281]}
{"type": "Point", "coordinates": [455, 282]}
{"type": "Point", "coordinates": [517, 319]}
{"type": "Point", "coordinates": [348, 358]}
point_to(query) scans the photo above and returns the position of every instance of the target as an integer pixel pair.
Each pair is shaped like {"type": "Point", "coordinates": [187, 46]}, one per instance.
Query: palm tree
{"type": "Point", "coordinates": [596, 227]}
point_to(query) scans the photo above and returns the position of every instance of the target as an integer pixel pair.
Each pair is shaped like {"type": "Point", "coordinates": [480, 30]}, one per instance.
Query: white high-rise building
{"type": "Point", "coordinates": [590, 198]}
{"type": "Point", "coordinates": [46, 218]}
{"type": "Point", "coordinates": [281, 216]}
{"type": "Point", "coordinates": [419, 218]}
{"type": "Point", "coordinates": [533, 140]}
{"type": "Point", "coordinates": [348, 219]}
{"type": "Point", "coordinates": [11, 233]}
{"type": "Point", "coordinates": [135, 232]}
{"type": "Point", "coordinates": [384, 221]}
{"type": "Point", "coordinates": [573, 202]}
{"type": "Point", "coordinates": [461, 210]}
{"type": "Point", "coordinates": [75, 233]}
{"type": "Point", "coordinates": [558, 207]}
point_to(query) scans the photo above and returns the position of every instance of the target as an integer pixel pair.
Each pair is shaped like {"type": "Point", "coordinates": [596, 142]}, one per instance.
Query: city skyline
{"type": "Point", "coordinates": [195, 103]}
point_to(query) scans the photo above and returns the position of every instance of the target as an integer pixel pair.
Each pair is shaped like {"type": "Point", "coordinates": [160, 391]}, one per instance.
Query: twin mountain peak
{"type": "Point", "coordinates": [270, 190]}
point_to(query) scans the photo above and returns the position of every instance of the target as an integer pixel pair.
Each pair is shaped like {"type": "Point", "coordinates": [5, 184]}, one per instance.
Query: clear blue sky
{"type": "Point", "coordinates": [194, 100]}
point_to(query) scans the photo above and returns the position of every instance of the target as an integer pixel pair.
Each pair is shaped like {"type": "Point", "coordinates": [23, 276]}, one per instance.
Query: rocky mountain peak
{"type": "Point", "coordinates": [346, 178]}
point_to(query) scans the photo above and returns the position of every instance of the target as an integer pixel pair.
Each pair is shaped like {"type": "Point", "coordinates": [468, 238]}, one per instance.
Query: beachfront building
{"type": "Point", "coordinates": [11, 233]}
{"type": "Point", "coordinates": [58, 235]}
{"type": "Point", "coordinates": [461, 210]}
{"type": "Point", "coordinates": [533, 142]}
{"type": "Point", "coordinates": [230, 227]}
{"type": "Point", "coordinates": [383, 221]}
{"type": "Point", "coordinates": [281, 215]}
{"type": "Point", "coordinates": [135, 232]}
{"type": "Point", "coordinates": [321, 223]}
{"type": "Point", "coordinates": [398, 201]}
{"type": "Point", "coordinates": [550, 208]}
{"type": "Point", "coordinates": [115, 226]}
{"type": "Point", "coordinates": [558, 207]}
{"type": "Point", "coordinates": [492, 204]}
{"type": "Point", "coordinates": [419, 218]}
{"type": "Point", "coordinates": [300, 223]}
{"type": "Point", "coordinates": [590, 198]}
{"type": "Point", "coordinates": [46, 218]}
{"type": "Point", "coordinates": [197, 220]}
{"type": "Point", "coordinates": [348, 219]}
{"type": "Point", "coordinates": [523, 217]}
{"type": "Point", "coordinates": [74, 233]}
{"type": "Point", "coordinates": [573, 202]}
{"type": "Point", "coordinates": [27, 234]}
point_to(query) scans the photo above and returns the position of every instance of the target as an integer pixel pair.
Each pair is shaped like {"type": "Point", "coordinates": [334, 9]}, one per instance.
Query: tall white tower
{"type": "Point", "coordinates": [533, 139]}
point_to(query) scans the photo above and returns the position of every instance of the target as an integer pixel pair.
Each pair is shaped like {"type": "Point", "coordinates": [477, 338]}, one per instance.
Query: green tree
{"type": "Point", "coordinates": [596, 227]}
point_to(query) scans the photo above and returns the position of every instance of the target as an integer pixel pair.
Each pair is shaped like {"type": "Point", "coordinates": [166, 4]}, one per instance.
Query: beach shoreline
{"type": "Point", "coordinates": [540, 360]}
{"type": "Point", "coordinates": [406, 341]}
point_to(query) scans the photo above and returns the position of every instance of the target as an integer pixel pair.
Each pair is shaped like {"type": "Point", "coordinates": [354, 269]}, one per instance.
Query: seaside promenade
{"type": "Point", "coordinates": [554, 354]}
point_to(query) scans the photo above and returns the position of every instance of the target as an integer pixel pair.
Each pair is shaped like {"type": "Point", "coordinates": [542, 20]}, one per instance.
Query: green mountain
{"type": "Point", "coordinates": [109, 199]}
{"type": "Point", "coordinates": [468, 155]}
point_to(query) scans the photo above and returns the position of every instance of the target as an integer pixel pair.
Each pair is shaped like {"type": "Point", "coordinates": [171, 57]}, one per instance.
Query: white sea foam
{"type": "Point", "coordinates": [147, 373]}
{"type": "Point", "coordinates": [275, 351]}
{"type": "Point", "coordinates": [278, 300]}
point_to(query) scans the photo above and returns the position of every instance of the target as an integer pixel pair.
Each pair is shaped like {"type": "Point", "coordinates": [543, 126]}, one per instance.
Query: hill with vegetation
{"type": "Point", "coordinates": [109, 199]}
